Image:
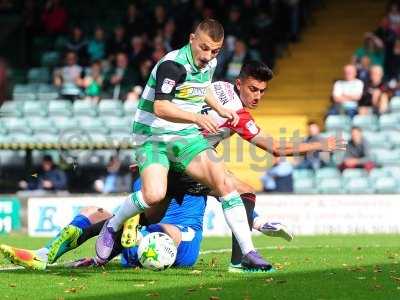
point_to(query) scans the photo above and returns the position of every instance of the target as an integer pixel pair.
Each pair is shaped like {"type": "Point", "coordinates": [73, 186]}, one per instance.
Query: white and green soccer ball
{"type": "Point", "coordinates": [157, 251]}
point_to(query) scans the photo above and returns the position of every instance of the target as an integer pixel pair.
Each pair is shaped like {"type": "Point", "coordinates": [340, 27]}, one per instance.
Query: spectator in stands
{"type": "Point", "coordinates": [78, 44]}
{"type": "Point", "coordinates": [233, 26]}
{"type": "Point", "coordinates": [92, 82]}
{"type": "Point", "coordinates": [67, 77]}
{"type": "Point", "coordinates": [134, 95]}
{"type": "Point", "coordinates": [145, 67]}
{"type": "Point", "coordinates": [363, 69]}
{"type": "Point", "coordinates": [278, 179]}
{"type": "Point", "coordinates": [138, 51]}
{"type": "Point", "coordinates": [235, 62]}
{"type": "Point", "coordinates": [50, 178]}
{"type": "Point", "coordinates": [393, 67]}
{"type": "Point", "coordinates": [4, 92]}
{"type": "Point", "coordinates": [357, 155]}
{"type": "Point", "coordinates": [317, 159]}
{"type": "Point", "coordinates": [170, 36]}
{"type": "Point", "coordinates": [373, 48]}
{"type": "Point", "coordinates": [133, 22]}
{"type": "Point", "coordinates": [54, 17]}
{"type": "Point", "coordinates": [346, 93]}
{"type": "Point", "coordinates": [375, 94]}
{"type": "Point", "coordinates": [114, 181]}
{"type": "Point", "coordinates": [117, 43]}
{"type": "Point", "coordinates": [158, 49]}
{"type": "Point", "coordinates": [121, 78]}
{"type": "Point", "coordinates": [392, 19]}
{"type": "Point", "coordinates": [97, 47]}
{"type": "Point", "coordinates": [159, 20]}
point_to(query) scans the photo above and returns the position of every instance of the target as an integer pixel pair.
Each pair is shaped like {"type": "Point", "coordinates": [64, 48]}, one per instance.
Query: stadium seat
{"type": "Point", "coordinates": [46, 138]}
{"type": "Point", "coordinates": [84, 108]}
{"type": "Point", "coordinates": [96, 138]}
{"type": "Point", "coordinates": [330, 186]}
{"type": "Point", "coordinates": [12, 158]}
{"type": "Point", "coordinates": [337, 123]}
{"type": "Point", "coordinates": [130, 108]}
{"type": "Point", "coordinates": [354, 173]}
{"type": "Point", "coordinates": [120, 137]}
{"type": "Point", "coordinates": [111, 107]}
{"type": "Point", "coordinates": [19, 137]}
{"type": "Point", "coordinates": [302, 173]}
{"type": "Point", "coordinates": [338, 157]}
{"type": "Point", "coordinates": [377, 140]}
{"type": "Point", "coordinates": [339, 134]}
{"type": "Point", "coordinates": [118, 124]}
{"type": "Point", "coordinates": [41, 125]}
{"type": "Point", "coordinates": [360, 185]}
{"type": "Point", "coordinates": [393, 171]}
{"type": "Point", "coordinates": [393, 136]}
{"type": "Point", "coordinates": [35, 108]}
{"type": "Point", "coordinates": [388, 122]}
{"type": "Point", "coordinates": [24, 96]}
{"type": "Point", "coordinates": [385, 156]}
{"type": "Point", "coordinates": [378, 173]}
{"type": "Point", "coordinates": [92, 125]}
{"type": "Point", "coordinates": [304, 186]}
{"type": "Point", "coordinates": [11, 109]}
{"type": "Point", "coordinates": [366, 122]}
{"type": "Point", "coordinates": [60, 108]}
{"type": "Point", "coordinates": [16, 125]}
{"type": "Point", "coordinates": [126, 157]}
{"type": "Point", "coordinates": [326, 173]}
{"type": "Point", "coordinates": [395, 104]}
{"type": "Point", "coordinates": [385, 185]}
{"type": "Point", "coordinates": [39, 75]}
{"type": "Point", "coordinates": [63, 123]}
{"type": "Point", "coordinates": [50, 59]}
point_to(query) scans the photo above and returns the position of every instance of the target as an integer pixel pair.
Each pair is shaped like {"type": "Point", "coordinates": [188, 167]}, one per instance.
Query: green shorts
{"type": "Point", "coordinates": [175, 155]}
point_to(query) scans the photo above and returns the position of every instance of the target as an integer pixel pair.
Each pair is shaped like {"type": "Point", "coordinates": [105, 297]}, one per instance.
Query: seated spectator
{"type": "Point", "coordinates": [363, 69]}
{"type": "Point", "coordinates": [171, 38]}
{"type": "Point", "coordinates": [117, 43]}
{"type": "Point", "coordinates": [278, 178]}
{"type": "Point", "coordinates": [54, 17]}
{"type": "Point", "coordinates": [317, 159]}
{"type": "Point", "coordinates": [235, 62]}
{"type": "Point", "coordinates": [92, 82]}
{"type": "Point", "coordinates": [138, 51]}
{"type": "Point", "coordinates": [49, 178]}
{"type": "Point", "coordinates": [121, 78]}
{"type": "Point", "coordinates": [159, 20]}
{"type": "Point", "coordinates": [67, 77]}
{"type": "Point", "coordinates": [134, 95]}
{"type": "Point", "coordinates": [77, 43]}
{"type": "Point", "coordinates": [357, 155]}
{"type": "Point", "coordinates": [114, 181]}
{"type": "Point", "coordinates": [346, 93]}
{"type": "Point", "coordinates": [133, 21]}
{"type": "Point", "coordinates": [97, 47]}
{"type": "Point", "coordinates": [373, 48]}
{"type": "Point", "coordinates": [375, 95]}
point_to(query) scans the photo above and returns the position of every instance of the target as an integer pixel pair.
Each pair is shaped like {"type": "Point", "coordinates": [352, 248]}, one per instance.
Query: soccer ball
{"type": "Point", "coordinates": [157, 251]}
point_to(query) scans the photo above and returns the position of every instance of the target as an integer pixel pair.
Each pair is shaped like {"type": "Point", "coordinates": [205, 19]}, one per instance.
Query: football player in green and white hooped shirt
{"type": "Point", "coordinates": [166, 130]}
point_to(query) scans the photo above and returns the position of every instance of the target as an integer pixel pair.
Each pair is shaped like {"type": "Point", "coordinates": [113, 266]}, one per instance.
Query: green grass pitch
{"type": "Point", "coordinates": [318, 267]}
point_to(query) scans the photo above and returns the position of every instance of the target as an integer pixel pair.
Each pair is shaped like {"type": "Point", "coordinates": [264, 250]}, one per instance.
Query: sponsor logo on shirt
{"type": "Point", "coordinates": [167, 86]}
{"type": "Point", "coordinates": [251, 126]}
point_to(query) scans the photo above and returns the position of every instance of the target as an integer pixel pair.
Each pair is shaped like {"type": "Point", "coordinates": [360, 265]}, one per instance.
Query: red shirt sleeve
{"type": "Point", "coordinates": [247, 127]}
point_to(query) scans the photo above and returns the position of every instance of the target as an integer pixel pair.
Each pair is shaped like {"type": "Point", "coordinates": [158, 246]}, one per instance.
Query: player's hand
{"type": "Point", "coordinates": [333, 143]}
{"type": "Point", "coordinates": [231, 115]}
{"type": "Point", "coordinates": [206, 123]}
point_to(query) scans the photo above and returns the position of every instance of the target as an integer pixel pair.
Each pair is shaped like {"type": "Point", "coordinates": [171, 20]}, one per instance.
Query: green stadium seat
{"type": "Point", "coordinates": [84, 108]}
{"type": "Point", "coordinates": [39, 75]}
{"type": "Point", "coordinates": [130, 108]}
{"type": "Point", "coordinates": [50, 59]}
{"type": "Point", "coordinates": [16, 125]}
{"type": "Point", "coordinates": [354, 173]}
{"type": "Point", "coordinates": [41, 125]}
{"type": "Point", "coordinates": [92, 125]}
{"type": "Point", "coordinates": [327, 173]}
{"type": "Point", "coordinates": [385, 185]}
{"type": "Point", "coordinates": [395, 104]}
{"type": "Point", "coordinates": [111, 107]}
{"type": "Point", "coordinates": [3, 130]}
{"type": "Point", "coordinates": [24, 96]}
{"type": "Point", "coordinates": [385, 156]}
{"type": "Point", "coordinates": [12, 158]}
{"type": "Point", "coordinates": [35, 108]}
{"type": "Point", "coordinates": [337, 123]}
{"type": "Point", "coordinates": [339, 134]}
{"type": "Point", "coordinates": [118, 124]}
{"type": "Point", "coordinates": [393, 136]}
{"type": "Point", "coordinates": [366, 122]}
{"type": "Point", "coordinates": [378, 173]}
{"type": "Point", "coordinates": [302, 173]}
{"type": "Point", "coordinates": [377, 140]}
{"type": "Point", "coordinates": [18, 137]}
{"type": "Point", "coordinates": [359, 185]}
{"type": "Point", "coordinates": [120, 137]}
{"type": "Point", "coordinates": [11, 109]}
{"type": "Point", "coordinates": [388, 122]}
{"type": "Point", "coordinates": [60, 108]}
{"type": "Point", "coordinates": [64, 124]}
{"type": "Point", "coordinates": [338, 157]}
{"type": "Point", "coordinates": [44, 137]}
{"type": "Point", "coordinates": [393, 171]}
{"type": "Point", "coordinates": [330, 186]}
{"type": "Point", "coordinates": [127, 157]}
{"type": "Point", "coordinates": [97, 137]}
{"type": "Point", "coordinates": [304, 186]}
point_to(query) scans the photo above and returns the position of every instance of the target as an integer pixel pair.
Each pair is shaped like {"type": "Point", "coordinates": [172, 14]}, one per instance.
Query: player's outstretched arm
{"type": "Point", "coordinates": [289, 148]}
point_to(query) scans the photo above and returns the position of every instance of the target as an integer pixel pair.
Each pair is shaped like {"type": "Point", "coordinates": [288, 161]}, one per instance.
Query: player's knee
{"type": "Point", "coordinates": [153, 197]}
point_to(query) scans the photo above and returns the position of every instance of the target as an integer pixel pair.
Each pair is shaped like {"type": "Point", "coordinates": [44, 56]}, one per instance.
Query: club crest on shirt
{"type": "Point", "coordinates": [251, 126]}
{"type": "Point", "coordinates": [167, 86]}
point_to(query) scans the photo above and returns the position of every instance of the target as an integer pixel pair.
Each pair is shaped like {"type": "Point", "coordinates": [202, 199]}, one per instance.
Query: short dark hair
{"type": "Point", "coordinates": [47, 158]}
{"type": "Point", "coordinates": [256, 69]}
{"type": "Point", "coordinates": [212, 28]}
